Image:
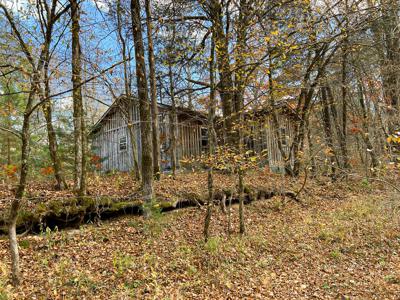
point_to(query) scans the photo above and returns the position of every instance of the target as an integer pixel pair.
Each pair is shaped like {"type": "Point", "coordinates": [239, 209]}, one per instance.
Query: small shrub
{"type": "Point", "coordinates": [192, 270]}
{"type": "Point", "coordinates": [24, 244]}
{"type": "Point", "coordinates": [392, 279]}
{"type": "Point", "coordinates": [326, 286]}
{"type": "Point", "coordinates": [335, 254]}
{"type": "Point", "coordinates": [122, 262]}
{"type": "Point", "coordinates": [212, 245]}
{"type": "Point", "coordinates": [82, 281]}
{"type": "Point", "coordinates": [134, 284]}
{"type": "Point", "coordinates": [153, 225]}
{"type": "Point", "coordinates": [3, 279]}
{"type": "Point", "coordinates": [3, 294]}
{"type": "Point", "coordinates": [135, 224]}
{"type": "Point", "coordinates": [49, 237]}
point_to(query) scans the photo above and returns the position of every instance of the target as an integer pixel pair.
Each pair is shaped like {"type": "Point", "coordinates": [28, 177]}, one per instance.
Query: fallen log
{"type": "Point", "coordinates": [69, 213]}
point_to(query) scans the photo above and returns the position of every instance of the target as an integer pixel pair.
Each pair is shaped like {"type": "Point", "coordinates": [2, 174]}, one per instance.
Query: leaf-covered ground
{"type": "Point", "coordinates": [122, 185]}
{"type": "Point", "coordinates": [343, 243]}
{"type": "Point", "coordinates": [118, 193]}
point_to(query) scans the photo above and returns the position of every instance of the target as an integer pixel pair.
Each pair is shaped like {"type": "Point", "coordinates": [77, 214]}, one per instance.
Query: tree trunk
{"type": "Point", "coordinates": [328, 130]}
{"type": "Point", "coordinates": [240, 84]}
{"type": "Point", "coordinates": [173, 121]}
{"type": "Point", "coordinates": [51, 134]}
{"type": "Point", "coordinates": [311, 151]}
{"type": "Point", "coordinates": [387, 34]}
{"type": "Point", "coordinates": [297, 145]}
{"type": "Point", "coordinates": [242, 228]}
{"type": "Point", "coordinates": [211, 139]}
{"type": "Point", "coordinates": [365, 133]}
{"type": "Point", "coordinates": [225, 86]}
{"type": "Point", "coordinates": [128, 93]}
{"type": "Point", "coordinates": [145, 117]}
{"type": "Point", "coordinates": [8, 141]}
{"type": "Point", "coordinates": [53, 148]}
{"type": "Point", "coordinates": [44, 62]}
{"type": "Point", "coordinates": [79, 121]}
{"type": "Point", "coordinates": [8, 150]}
{"type": "Point", "coordinates": [16, 202]}
{"type": "Point", "coordinates": [343, 136]}
{"type": "Point", "coordinates": [210, 186]}
{"type": "Point", "coordinates": [134, 149]}
{"type": "Point", "coordinates": [153, 95]}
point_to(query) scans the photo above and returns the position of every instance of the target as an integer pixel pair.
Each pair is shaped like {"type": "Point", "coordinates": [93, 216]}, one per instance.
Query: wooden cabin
{"type": "Point", "coordinates": [111, 135]}
{"type": "Point", "coordinates": [261, 135]}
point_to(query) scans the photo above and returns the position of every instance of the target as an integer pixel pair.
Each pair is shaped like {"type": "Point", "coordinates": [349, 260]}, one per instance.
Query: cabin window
{"type": "Point", "coordinates": [204, 138]}
{"type": "Point", "coordinates": [283, 137]}
{"type": "Point", "coordinates": [122, 144]}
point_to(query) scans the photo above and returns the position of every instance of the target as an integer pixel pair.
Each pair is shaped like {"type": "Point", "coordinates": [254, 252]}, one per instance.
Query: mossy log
{"type": "Point", "coordinates": [70, 212]}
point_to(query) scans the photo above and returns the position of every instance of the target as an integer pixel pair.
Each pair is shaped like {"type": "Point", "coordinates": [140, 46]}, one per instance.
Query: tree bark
{"type": "Point", "coordinates": [173, 121]}
{"type": "Point", "coordinates": [343, 136]}
{"type": "Point", "coordinates": [44, 62]}
{"type": "Point", "coordinates": [225, 86]}
{"type": "Point", "coordinates": [211, 139]}
{"type": "Point", "coordinates": [53, 148]}
{"type": "Point", "coordinates": [16, 202]}
{"type": "Point", "coordinates": [240, 84]}
{"type": "Point", "coordinates": [51, 134]}
{"type": "Point", "coordinates": [145, 117]}
{"type": "Point", "coordinates": [365, 133]}
{"type": "Point", "coordinates": [328, 130]}
{"type": "Point", "coordinates": [153, 94]}
{"type": "Point", "coordinates": [78, 114]}
{"type": "Point", "coordinates": [131, 101]}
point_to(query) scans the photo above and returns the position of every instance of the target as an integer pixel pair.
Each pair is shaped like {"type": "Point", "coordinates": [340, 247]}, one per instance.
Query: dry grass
{"type": "Point", "coordinates": [339, 245]}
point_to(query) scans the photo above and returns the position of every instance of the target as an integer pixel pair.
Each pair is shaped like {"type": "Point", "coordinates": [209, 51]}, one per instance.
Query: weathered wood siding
{"type": "Point", "coordinates": [191, 136]}
{"type": "Point", "coordinates": [106, 142]}
{"type": "Point", "coordinates": [264, 140]}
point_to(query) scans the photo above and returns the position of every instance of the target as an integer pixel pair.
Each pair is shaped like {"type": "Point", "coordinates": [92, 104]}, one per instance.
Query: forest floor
{"type": "Point", "coordinates": [341, 242]}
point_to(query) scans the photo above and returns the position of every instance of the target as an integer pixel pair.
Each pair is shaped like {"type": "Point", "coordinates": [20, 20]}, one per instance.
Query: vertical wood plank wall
{"type": "Point", "coordinates": [106, 142]}
{"type": "Point", "coordinates": [264, 139]}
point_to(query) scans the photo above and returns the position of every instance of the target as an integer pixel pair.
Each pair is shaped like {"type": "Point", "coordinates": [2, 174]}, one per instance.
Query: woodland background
{"type": "Point", "coordinates": [335, 64]}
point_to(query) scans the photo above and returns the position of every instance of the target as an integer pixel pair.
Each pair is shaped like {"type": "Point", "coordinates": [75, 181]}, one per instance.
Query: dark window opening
{"type": "Point", "coordinates": [283, 136]}
{"type": "Point", "coordinates": [122, 144]}
{"type": "Point", "coordinates": [204, 138]}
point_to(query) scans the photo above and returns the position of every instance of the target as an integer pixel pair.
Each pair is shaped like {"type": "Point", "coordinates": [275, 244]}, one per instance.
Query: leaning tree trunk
{"type": "Point", "coordinates": [15, 205]}
{"type": "Point", "coordinates": [145, 117]}
{"type": "Point", "coordinates": [79, 121]}
{"type": "Point", "coordinates": [8, 141]}
{"type": "Point", "coordinates": [153, 95]}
